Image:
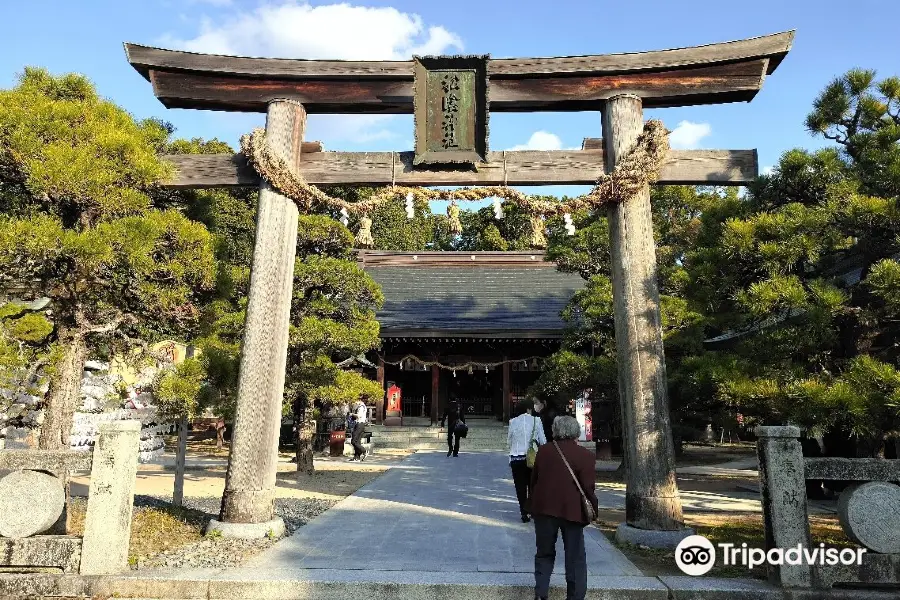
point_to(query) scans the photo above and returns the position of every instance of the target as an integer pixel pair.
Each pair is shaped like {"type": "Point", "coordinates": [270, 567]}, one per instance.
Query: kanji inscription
{"type": "Point", "coordinates": [450, 110]}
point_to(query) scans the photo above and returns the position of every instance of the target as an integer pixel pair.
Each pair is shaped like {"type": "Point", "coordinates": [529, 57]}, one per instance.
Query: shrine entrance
{"type": "Point", "coordinates": [451, 98]}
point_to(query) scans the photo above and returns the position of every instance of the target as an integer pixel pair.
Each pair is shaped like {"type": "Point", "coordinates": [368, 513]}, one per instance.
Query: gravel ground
{"type": "Point", "coordinates": [220, 552]}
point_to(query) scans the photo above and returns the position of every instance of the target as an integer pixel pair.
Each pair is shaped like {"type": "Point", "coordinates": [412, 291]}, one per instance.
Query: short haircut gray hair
{"type": "Point", "coordinates": [566, 428]}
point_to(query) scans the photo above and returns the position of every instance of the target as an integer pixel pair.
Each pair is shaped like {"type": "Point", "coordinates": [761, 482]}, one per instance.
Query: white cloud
{"type": "Point", "coordinates": [338, 31]}
{"type": "Point", "coordinates": [541, 140]}
{"type": "Point", "coordinates": [335, 31]}
{"type": "Point", "coordinates": [688, 135]}
{"type": "Point", "coordinates": [359, 129]}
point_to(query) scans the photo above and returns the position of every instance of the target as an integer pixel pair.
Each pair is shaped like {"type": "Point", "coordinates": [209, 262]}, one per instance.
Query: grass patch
{"type": "Point", "coordinates": [153, 529]}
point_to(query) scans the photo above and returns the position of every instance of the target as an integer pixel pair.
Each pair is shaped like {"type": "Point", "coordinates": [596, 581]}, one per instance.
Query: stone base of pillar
{"type": "Point", "coordinates": [652, 538]}
{"type": "Point", "coordinates": [247, 531]}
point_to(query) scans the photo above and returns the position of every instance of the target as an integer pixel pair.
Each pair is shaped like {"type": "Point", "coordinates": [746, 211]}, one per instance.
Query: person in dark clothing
{"type": "Point", "coordinates": [547, 414]}
{"type": "Point", "coordinates": [453, 413]}
{"type": "Point", "coordinates": [557, 505]}
{"type": "Point", "coordinates": [360, 411]}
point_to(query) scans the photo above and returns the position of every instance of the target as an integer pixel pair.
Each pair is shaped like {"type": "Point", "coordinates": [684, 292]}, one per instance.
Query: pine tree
{"type": "Point", "coordinates": [806, 268]}
{"type": "Point", "coordinates": [78, 226]}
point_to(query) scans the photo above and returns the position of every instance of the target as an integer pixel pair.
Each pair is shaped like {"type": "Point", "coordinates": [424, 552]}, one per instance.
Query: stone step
{"type": "Point", "coordinates": [435, 436]}
{"type": "Point", "coordinates": [438, 446]}
{"type": "Point", "coordinates": [322, 584]}
{"type": "Point", "coordinates": [403, 429]}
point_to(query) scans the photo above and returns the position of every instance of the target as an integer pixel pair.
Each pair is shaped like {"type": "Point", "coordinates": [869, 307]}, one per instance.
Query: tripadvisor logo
{"type": "Point", "coordinates": [696, 555]}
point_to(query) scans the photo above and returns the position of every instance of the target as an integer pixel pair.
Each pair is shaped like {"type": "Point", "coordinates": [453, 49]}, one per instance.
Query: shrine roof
{"type": "Point", "coordinates": [470, 294]}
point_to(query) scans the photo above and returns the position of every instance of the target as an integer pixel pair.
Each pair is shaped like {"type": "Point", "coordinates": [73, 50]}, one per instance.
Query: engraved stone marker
{"type": "Point", "coordinates": [30, 503]}
{"type": "Point", "coordinates": [870, 514]}
{"type": "Point", "coordinates": [451, 110]}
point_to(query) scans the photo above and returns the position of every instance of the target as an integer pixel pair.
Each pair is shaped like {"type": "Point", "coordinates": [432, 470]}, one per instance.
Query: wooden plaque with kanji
{"type": "Point", "coordinates": [451, 110]}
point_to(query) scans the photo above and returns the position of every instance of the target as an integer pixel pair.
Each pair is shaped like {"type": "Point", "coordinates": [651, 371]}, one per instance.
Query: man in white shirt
{"type": "Point", "coordinates": [524, 430]}
{"type": "Point", "coordinates": [360, 411]}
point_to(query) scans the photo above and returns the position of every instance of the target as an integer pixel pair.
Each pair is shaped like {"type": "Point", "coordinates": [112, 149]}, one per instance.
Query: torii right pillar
{"type": "Point", "coordinates": [653, 514]}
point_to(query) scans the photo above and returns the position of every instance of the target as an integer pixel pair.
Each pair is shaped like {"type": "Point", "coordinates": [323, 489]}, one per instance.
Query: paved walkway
{"type": "Point", "coordinates": [435, 514]}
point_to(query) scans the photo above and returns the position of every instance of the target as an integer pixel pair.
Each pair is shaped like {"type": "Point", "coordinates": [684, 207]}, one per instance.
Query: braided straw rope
{"type": "Point", "coordinates": [639, 168]}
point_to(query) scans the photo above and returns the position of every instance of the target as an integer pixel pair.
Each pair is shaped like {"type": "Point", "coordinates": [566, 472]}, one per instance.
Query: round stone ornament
{"type": "Point", "coordinates": [30, 503]}
{"type": "Point", "coordinates": [870, 515]}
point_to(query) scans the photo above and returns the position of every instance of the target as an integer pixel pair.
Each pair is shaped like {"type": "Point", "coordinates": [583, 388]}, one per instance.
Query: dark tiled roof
{"type": "Point", "coordinates": [496, 299]}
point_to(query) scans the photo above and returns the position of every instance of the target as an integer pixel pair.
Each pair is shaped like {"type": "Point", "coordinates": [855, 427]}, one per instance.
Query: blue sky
{"type": "Point", "coordinates": [87, 37]}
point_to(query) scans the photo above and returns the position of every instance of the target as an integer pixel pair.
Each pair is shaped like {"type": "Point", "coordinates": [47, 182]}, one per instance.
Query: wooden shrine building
{"type": "Point", "coordinates": [469, 326]}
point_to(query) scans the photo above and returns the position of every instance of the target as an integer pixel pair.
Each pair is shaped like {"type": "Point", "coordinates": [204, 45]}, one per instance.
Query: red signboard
{"type": "Point", "coordinates": [393, 399]}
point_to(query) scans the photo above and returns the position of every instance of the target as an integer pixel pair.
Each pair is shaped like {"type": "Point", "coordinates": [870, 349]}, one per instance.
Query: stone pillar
{"type": "Point", "coordinates": [249, 499]}
{"type": "Point", "coordinates": [782, 480]}
{"type": "Point", "coordinates": [652, 501]}
{"type": "Point", "coordinates": [180, 456]}
{"type": "Point", "coordinates": [107, 525]}
{"type": "Point", "coordinates": [435, 388]}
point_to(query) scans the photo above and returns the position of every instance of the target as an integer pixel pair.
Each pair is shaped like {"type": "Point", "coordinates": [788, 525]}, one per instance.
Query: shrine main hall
{"type": "Point", "coordinates": [467, 326]}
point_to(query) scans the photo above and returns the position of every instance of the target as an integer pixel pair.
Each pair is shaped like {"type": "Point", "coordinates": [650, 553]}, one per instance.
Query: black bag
{"type": "Point", "coordinates": [461, 429]}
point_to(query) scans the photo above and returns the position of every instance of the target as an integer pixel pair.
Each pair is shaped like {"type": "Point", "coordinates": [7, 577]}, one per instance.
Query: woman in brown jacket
{"type": "Point", "coordinates": [556, 504]}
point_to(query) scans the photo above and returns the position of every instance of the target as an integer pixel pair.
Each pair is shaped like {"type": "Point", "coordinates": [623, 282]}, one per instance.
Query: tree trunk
{"type": "Point", "coordinates": [180, 456]}
{"type": "Point", "coordinates": [306, 430]}
{"type": "Point", "coordinates": [64, 392]}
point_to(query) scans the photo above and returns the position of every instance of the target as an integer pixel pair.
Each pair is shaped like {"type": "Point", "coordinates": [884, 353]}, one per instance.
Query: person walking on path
{"type": "Point", "coordinates": [547, 414]}
{"type": "Point", "coordinates": [453, 414]}
{"type": "Point", "coordinates": [359, 428]}
{"type": "Point", "coordinates": [525, 431]}
{"type": "Point", "coordinates": [563, 498]}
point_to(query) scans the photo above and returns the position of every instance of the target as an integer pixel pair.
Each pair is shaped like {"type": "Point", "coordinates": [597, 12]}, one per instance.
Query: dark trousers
{"type": "Point", "coordinates": [453, 440]}
{"type": "Point", "coordinates": [522, 480]}
{"type": "Point", "coordinates": [546, 530]}
{"type": "Point", "coordinates": [356, 439]}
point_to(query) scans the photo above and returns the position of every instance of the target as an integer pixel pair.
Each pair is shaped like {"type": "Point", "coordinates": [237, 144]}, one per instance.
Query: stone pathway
{"type": "Point", "coordinates": [432, 514]}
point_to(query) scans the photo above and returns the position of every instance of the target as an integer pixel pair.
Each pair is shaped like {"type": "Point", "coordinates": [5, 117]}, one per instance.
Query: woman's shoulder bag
{"type": "Point", "coordinates": [531, 455]}
{"type": "Point", "coordinates": [585, 502]}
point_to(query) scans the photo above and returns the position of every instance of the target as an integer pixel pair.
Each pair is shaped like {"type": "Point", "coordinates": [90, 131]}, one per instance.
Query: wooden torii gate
{"type": "Point", "coordinates": [619, 86]}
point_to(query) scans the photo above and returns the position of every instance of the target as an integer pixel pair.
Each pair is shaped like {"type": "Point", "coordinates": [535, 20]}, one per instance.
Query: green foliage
{"type": "Point", "coordinates": [586, 252]}
{"type": "Point", "coordinates": [347, 387]}
{"type": "Point", "coordinates": [884, 281]}
{"type": "Point", "coordinates": [862, 115]}
{"type": "Point", "coordinates": [31, 328]}
{"type": "Point", "coordinates": [567, 373]}
{"type": "Point", "coordinates": [482, 231]}
{"type": "Point", "coordinates": [177, 391]}
{"type": "Point", "coordinates": [23, 341]}
{"type": "Point", "coordinates": [83, 223]}
{"type": "Point", "coordinates": [806, 264]}
{"type": "Point", "coordinates": [332, 316]}
{"type": "Point", "coordinates": [151, 268]}
{"type": "Point", "coordinates": [67, 152]}
{"type": "Point", "coordinates": [322, 235]}
{"type": "Point", "coordinates": [392, 230]}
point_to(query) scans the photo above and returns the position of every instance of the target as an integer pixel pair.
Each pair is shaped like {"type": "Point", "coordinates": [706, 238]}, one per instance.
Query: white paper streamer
{"type": "Point", "coordinates": [345, 217]}
{"type": "Point", "coordinates": [570, 227]}
{"type": "Point", "coordinates": [410, 207]}
{"type": "Point", "coordinates": [498, 209]}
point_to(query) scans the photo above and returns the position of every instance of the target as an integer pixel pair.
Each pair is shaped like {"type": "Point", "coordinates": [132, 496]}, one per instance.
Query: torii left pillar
{"type": "Point", "coordinates": [248, 504]}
